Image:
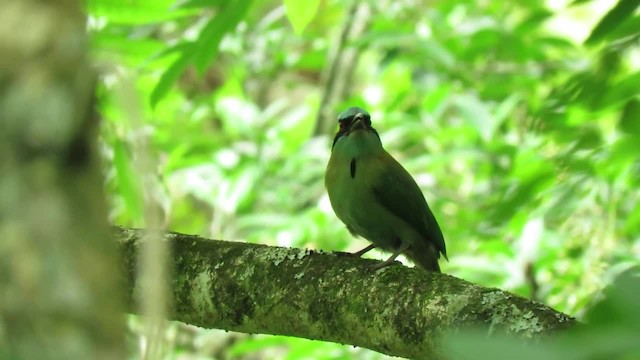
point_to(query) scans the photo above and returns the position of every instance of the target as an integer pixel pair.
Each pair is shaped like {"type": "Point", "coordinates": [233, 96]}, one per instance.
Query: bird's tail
{"type": "Point", "coordinates": [425, 256]}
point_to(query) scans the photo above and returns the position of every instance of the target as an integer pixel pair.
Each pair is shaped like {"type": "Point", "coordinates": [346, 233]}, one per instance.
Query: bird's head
{"type": "Point", "coordinates": [355, 122]}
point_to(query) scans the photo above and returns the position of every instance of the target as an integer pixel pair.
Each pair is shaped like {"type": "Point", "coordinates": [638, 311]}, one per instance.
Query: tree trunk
{"type": "Point", "coordinates": [58, 275]}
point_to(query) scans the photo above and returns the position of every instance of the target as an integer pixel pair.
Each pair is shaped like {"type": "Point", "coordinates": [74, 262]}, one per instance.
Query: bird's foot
{"type": "Point", "coordinates": [364, 251]}
{"type": "Point", "coordinates": [383, 264]}
{"type": "Point", "coordinates": [391, 258]}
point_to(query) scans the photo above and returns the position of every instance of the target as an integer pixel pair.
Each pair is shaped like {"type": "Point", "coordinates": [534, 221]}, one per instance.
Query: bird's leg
{"type": "Point", "coordinates": [364, 251]}
{"type": "Point", "coordinates": [391, 258]}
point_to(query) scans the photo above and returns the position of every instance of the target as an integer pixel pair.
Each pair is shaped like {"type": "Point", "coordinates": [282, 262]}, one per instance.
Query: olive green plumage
{"type": "Point", "coordinates": [376, 198]}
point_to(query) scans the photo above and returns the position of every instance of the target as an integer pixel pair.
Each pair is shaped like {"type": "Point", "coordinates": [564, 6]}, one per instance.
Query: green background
{"type": "Point", "coordinates": [520, 120]}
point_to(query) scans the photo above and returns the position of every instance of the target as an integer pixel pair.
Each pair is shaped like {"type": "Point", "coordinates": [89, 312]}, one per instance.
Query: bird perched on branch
{"type": "Point", "coordinates": [376, 198]}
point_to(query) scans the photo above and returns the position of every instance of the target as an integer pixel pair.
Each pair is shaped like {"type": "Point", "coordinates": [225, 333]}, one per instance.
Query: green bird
{"type": "Point", "coordinates": [376, 198]}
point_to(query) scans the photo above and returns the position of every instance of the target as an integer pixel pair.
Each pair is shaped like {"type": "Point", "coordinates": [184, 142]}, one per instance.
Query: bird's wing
{"type": "Point", "coordinates": [396, 190]}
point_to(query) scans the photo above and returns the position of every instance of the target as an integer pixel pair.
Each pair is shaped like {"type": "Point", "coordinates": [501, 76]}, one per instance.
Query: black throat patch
{"type": "Point", "coordinates": [353, 168]}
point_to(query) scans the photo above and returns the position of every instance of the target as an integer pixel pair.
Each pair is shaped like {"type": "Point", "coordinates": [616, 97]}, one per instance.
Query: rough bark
{"type": "Point", "coordinates": [58, 297]}
{"type": "Point", "coordinates": [335, 297]}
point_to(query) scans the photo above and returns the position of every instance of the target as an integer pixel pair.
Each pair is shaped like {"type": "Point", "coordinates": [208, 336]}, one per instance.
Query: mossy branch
{"type": "Point", "coordinates": [334, 297]}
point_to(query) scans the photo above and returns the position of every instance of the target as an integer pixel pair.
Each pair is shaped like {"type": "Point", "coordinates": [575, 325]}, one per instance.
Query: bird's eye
{"type": "Point", "coordinates": [343, 125]}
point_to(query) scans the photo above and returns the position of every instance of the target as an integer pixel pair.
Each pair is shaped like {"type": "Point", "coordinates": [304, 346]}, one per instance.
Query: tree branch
{"type": "Point", "coordinates": [331, 296]}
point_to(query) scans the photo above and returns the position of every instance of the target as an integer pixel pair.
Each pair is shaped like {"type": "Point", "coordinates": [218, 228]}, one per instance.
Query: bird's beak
{"type": "Point", "coordinates": [358, 123]}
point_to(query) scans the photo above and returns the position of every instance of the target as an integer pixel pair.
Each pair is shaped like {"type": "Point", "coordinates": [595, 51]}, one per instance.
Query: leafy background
{"type": "Point", "coordinates": [519, 120]}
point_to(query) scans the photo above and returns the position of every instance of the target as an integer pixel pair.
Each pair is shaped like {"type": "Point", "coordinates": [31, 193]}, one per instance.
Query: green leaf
{"type": "Point", "coordinates": [198, 4]}
{"type": "Point", "coordinates": [630, 117]}
{"type": "Point", "coordinates": [556, 42]}
{"type": "Point", "coordinates": [435, 99]}
{"type": "Point", "coordinates": [477, 114]}
{"type": "Point", "coordinates": [533, 21]}
{"type": "Point", "coordinates": [255, 344]}
{"type": "Point", "coordinates": [434, 50]}
{"type": "Point", "coordinates": [632, 223]}
{"type": "Point", "coordinates": [619, 308]}
{"type": "Point", "coordinates": [169, 77]}
{"type": "Point", "coordinates": [128, 181]}
{"type": "Point", "coordinates": [135, 12]}
{"type": "Point", "coordinates": [620, 158]}
{"type": "Point", "coordinates": [616, 16]}
{"type": "Point", "coordinates": [588, 137]}
{"type": "Point", "coordinates": [506, 108]}
{"type": "Point", "coordinates": [621, 91]}
{"type": "Point", "coordinates": [483, 41]}
{"type": "Point", "coordinates": [629, 29]}
{"type": "Point", "coordinates": [131, 51]}
{"type": "Point", "coordinates": [300, 13]}
{"type": "Point", "coordinates": [225, 21]}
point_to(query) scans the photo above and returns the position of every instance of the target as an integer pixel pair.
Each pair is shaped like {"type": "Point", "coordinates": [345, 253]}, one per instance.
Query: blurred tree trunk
{"type": "Point", "coordinates": [58, 276]}
{"type": "Point", "coordinates": [343, 59]}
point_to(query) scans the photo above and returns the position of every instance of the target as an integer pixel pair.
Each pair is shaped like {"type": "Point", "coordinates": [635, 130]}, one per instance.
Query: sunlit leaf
{"type": "Point", "coordinates": [256, 343]}
{"type": "Point", "coordinates": [135, 11]}
{"type": "Point", "coordinates": [187, 4]}
{"type": "Point", "coordinates": [300, 13]}
{"type": "Point", "coordinates": [133, 52]}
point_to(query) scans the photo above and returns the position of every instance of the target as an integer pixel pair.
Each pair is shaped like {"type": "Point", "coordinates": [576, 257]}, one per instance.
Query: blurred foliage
{"type": "Point", "coordinates": [520, 121]}
{"type": "Point", "coordinates": [612, 333]}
